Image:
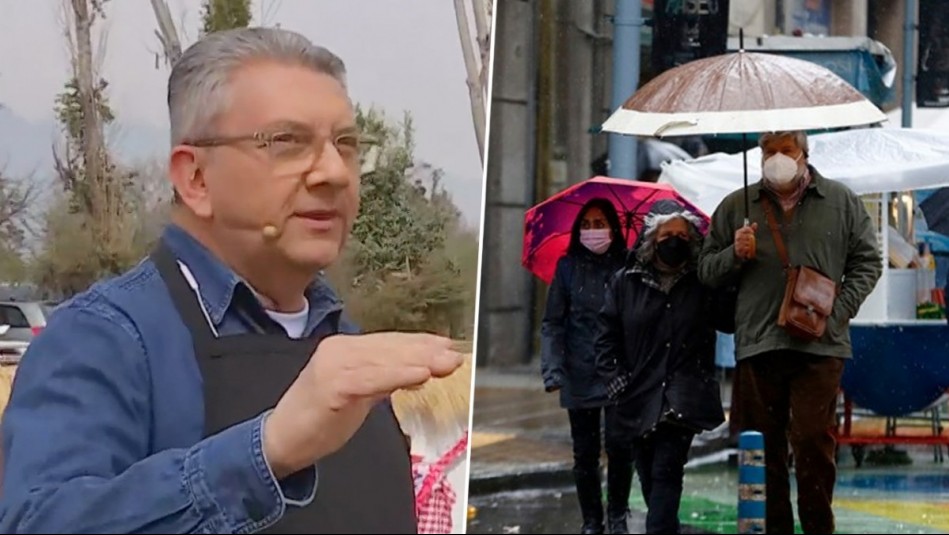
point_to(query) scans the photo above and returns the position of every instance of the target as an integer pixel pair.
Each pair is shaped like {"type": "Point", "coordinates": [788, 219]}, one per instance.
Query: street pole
{"type": "Point", "coordinates": [909, 28]}
{"type": "Point", "coordinates": [627, 23]}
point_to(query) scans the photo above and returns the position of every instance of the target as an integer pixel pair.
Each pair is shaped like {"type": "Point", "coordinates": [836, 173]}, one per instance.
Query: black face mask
{"type": "Point", "coordinates": [674, 251]}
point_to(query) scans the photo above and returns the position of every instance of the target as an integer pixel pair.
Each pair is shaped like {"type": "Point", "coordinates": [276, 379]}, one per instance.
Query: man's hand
{"type": "Point", "coordinates": [346, 376]}
{"type": "Point", "coordinates": [745, 247]}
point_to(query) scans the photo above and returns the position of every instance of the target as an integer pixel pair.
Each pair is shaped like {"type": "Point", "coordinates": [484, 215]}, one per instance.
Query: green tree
{"type": "Point", "coordinates": [218, 15]}
{"type": "Point", "coordinates": [406, 266]}
{"type": "Point", "coordinates": [397, 225]}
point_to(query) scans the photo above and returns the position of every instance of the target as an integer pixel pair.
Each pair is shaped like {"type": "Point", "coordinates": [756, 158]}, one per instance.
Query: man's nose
{"type": "Point", "coordinates": [330, 168]}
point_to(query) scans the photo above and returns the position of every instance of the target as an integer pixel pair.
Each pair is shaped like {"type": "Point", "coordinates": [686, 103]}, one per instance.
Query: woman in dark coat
{"type": "Point", "coordinates": [656, 353]}
{"type": "Point", "coordinates": [597, 249]}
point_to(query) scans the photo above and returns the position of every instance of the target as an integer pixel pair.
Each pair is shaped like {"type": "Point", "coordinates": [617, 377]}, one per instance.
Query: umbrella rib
{"type": "Point", "coordinates": [618, 198]}
{"type": "Point", "coordinates": [621, 203]}
{"type": "Point", "coordinates": [724, 87]}
{"type": "Point", "coordinates": [632, 213]}
{"type": "Point", "coordinates": [642, 202]}
{"type": "Point", "coordinates": [548, 238]}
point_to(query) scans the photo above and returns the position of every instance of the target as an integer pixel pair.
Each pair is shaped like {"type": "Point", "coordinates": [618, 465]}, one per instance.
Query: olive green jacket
{"type": "Point", "coordinates": [830, 230]}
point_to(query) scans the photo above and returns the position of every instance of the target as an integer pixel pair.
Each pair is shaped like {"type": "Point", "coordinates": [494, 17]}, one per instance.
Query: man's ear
{"type": "Point", "coordinates": [187, 177]}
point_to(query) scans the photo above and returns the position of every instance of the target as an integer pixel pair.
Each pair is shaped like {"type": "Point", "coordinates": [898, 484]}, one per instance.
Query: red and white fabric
{"type": "Point", "coordinates": [434, 496]}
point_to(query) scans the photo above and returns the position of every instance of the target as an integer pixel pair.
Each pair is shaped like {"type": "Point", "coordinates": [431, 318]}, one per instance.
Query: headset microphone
{"type": "Point", "coordinates": [271, 232]}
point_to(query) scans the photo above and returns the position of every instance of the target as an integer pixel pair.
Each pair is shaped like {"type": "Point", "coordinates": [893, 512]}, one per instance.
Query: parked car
{"type": "Point", "coordinates": [10, 352]}
{"type": "Point", "coordinates": [25, 319]}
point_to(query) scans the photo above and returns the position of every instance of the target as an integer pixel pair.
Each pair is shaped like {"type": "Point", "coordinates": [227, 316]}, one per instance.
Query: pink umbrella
{"type": "Point", "coordinates": [547, 225]}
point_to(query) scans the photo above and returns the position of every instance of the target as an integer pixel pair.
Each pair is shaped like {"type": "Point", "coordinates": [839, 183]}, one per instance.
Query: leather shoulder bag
{"type": "Point", "coordinates": [809, 294]}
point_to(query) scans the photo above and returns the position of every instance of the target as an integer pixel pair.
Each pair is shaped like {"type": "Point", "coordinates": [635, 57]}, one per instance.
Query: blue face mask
{"type": "Point", "coordinates": [674, 251]}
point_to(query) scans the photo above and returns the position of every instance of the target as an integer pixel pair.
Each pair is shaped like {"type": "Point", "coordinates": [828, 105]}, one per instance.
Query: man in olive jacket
{"type": "Point", "coordinates": [788, 387]}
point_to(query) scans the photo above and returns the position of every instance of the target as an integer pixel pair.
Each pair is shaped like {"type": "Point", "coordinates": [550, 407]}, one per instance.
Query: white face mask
{"type": "Point", "coordinates": [597, 240]}
{"type": "Point", "coordinates": [780, 169]}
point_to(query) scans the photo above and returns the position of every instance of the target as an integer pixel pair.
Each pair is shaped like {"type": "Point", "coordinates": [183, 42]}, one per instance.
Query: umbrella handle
{"type": "Point", "coordinates": [754, 250]}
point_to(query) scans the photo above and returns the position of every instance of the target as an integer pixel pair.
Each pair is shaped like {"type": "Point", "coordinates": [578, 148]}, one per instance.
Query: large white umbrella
{"type": "Point", "coordinates": [739, 93]}
{"type": "Point", "coordinates": [742, 92]}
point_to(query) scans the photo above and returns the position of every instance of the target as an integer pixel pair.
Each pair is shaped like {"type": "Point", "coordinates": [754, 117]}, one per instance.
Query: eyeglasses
{"type": "Point", "coordinates": [294, 152]}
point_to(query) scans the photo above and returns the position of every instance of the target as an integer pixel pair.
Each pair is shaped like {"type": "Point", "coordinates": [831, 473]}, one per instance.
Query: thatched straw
{"type": "Point", "coordinates": [439, 407]}
{"type": "Point", "coordinates": [6, 385]}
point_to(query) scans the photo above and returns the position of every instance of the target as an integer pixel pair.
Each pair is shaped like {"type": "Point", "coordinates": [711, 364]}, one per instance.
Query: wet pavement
{"type": "Point", "coordinates": [521, 480]}
{"type": "Point", "coordinates": [538, 511]}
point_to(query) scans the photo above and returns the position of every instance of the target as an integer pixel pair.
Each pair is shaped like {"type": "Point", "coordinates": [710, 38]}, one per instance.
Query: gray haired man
{"type": "Point", "coordinates": [216, 387]}
{"type": "Point", "coordinates": [787, 385]}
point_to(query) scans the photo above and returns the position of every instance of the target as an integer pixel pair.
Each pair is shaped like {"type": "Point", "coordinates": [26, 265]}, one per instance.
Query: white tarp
{"type": "Point", "coordinates": [869, 160]}
{"type": "Point", "coordinates": [927, 118]}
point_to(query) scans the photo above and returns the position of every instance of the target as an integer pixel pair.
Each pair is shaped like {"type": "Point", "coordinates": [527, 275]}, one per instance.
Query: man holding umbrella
{"type": "Point", "coordinates": [799, 284]}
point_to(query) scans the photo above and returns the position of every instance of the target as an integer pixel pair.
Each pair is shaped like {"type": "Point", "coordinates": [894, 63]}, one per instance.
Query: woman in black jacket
{"type": "Point", "coordinates": [597, 249]}
{"type": "Point", "coordinates": [656, 353]}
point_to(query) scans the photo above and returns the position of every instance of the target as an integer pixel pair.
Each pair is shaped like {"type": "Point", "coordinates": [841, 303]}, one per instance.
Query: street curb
{"type": "Point", "coordinates": [549, 477]}
{"type": "Point", "coordinates": [543, 478]}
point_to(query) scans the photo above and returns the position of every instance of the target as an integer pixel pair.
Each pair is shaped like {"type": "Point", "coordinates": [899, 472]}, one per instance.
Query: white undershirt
{"type": "Point", "coordinates": [294, 322]}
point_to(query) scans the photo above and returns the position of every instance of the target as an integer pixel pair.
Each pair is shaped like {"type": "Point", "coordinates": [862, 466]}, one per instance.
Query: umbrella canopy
{"type": "Point", "coordinates": [742, 92]}
{"type": "Point", "coordinates": [547, 226]}
{"type": "Point", "coordinates": [936, 210]}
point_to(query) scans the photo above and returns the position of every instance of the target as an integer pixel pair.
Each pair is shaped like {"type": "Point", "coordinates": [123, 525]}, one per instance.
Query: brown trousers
{"type": "Point", "coordinates": [792, 396]}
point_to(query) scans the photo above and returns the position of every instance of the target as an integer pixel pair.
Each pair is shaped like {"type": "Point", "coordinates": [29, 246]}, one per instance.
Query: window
{"type": "Point", "coordinates": [13, 317]}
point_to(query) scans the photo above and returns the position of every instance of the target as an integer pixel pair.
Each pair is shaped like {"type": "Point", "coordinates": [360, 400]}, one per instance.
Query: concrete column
{"type": "Point", "coordinates": [504, 318]}
{"type": "Point", "coordinates": [578, 102]}
{"type": "Point", "coordinates": [849, 18]}
{"type": "Point", "coordinates": [889, 31]}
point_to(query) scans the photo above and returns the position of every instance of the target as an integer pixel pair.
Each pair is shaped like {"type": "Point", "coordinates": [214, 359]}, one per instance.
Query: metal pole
{"type": "Point", "coordinates": [909, 28]}
{"type": "Point", "coordinates": [626, 47]}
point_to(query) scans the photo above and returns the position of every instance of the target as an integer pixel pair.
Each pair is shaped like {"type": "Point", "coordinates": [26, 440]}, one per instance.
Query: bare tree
{"type": "Point", "coordinates": [476, 64]}
{"type": "Point", "coordinates": [483, 17]}
{"type": "Point", "coordinates": [92, 140]}
{"type": "Point", "coordinates": [217, 15]}
{"type": "Point", "coordinates": [166, 32]}
{"type": "Point", "coordinates": [90, 229]}
{"type": "Point", "coordinates": [16, 198]}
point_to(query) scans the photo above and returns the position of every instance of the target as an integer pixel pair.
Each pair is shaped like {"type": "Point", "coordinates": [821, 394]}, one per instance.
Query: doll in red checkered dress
{"type": "Point", "coordinates": [435, 420]}
{"type": "Point", "coordinates": [435, 499]}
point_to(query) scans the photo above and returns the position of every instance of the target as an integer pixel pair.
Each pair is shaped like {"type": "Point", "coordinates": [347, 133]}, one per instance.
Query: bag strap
{"type": "Point", "coordinates": [776, 233]}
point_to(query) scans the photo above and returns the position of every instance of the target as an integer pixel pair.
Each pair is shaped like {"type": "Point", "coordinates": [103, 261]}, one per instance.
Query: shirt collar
{"type": "Point", "coordinates": [217, 282]}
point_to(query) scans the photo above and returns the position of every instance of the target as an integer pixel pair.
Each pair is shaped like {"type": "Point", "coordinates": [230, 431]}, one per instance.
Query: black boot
{"type": "Point", "coordinates": [590, 495]}
{"type": "Point", "coordinates": [619, 479]}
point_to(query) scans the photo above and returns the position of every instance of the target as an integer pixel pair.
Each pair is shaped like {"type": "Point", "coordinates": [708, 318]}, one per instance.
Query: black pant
{"type": "Point", "coordinates": [585, 429]}
{"type": "Point", "coordinates": [660, 463]}
{"type": "Point", "coordinates": [792, 396]}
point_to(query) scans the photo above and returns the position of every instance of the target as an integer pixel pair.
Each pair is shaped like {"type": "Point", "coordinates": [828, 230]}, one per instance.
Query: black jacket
{"type": "Point", "coordinates": [663, 347]}
{"type": "Point", "coordinates": [574, 299]}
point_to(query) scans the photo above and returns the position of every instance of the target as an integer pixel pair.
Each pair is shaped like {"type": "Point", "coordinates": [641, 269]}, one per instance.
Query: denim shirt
{"type": "Point", "coordinates": [104, 429]}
